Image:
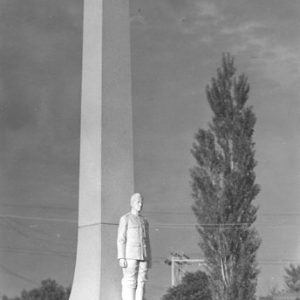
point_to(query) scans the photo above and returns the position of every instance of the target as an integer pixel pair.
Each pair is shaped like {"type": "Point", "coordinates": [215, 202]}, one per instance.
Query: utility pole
{"type": "Point", "coordinates": [181, 261]}
{"type": "Point", "coordinates": [172, 271]}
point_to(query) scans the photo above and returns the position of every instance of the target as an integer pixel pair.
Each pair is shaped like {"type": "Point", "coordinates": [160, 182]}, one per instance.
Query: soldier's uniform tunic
{"type": "Point", "coordinates": [134, 246]}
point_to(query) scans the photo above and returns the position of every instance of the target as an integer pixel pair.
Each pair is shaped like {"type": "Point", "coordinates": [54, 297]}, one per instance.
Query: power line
{"type": "Point", "coordinates": [202, 225]}
{"type": "Point", "coordinates": [72, 254]}
{"type": "Point", "coordinates": [38, 206]}
{"type": "Point", "coordinates": [98, 223]}
{"type": "Point", "coordinates": [20, 250]}
{"type": "Point", "coordinates": [260, 261]}
{"type": "Point", "coordinates": [39, 219]}
{"type": "Point", "coordinates": [158, 212]}
{"type": "Point", "coordinates": [40, 234]}
{"type": "Point", "coordinates": [17, 275]}
{"type": "Point", "coordinates": [286, 214]}
{"type": "Point", "coordinates": [162, 225]}
{"type": "Point", "coordinates": [33, 238]}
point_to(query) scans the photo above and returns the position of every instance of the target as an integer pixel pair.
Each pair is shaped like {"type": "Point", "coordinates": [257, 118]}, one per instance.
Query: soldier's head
{"type": "Point", "coordinates": [136, 202]}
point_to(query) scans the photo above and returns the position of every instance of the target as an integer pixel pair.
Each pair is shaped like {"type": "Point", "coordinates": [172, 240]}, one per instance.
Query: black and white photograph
{"type": "Point", "coordinates": [149, 150]}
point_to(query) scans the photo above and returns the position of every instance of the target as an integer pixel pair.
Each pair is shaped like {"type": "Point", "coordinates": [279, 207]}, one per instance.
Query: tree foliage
{"type": "Point", "coordinates": [292, 278]}
{"type": "Point", "coordinates": [223, 184]}
{"type": "Point", "coordinates": [194, 286]}
{"type": "Point", "coordinates": [49, 290]}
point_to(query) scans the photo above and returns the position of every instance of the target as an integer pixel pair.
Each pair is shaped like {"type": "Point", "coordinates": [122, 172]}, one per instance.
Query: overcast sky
{"type": "Point", "coordinates": [176, 47]}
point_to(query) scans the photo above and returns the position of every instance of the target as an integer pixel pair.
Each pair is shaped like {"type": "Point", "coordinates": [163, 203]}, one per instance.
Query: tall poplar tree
{"type": "Point", "coordinates": [223, 184]}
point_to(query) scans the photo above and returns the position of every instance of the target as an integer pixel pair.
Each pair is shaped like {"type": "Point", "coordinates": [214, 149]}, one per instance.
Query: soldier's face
{"type": "Point", "coordinates": [138, 204]}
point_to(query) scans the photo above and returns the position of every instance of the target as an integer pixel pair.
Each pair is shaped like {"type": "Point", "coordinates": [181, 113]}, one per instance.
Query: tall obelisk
{"type": "Point", "coordinates": [106, 158]}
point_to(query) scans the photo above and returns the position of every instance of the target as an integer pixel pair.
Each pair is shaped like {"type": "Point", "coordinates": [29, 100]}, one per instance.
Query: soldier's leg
{"type": "Point", "coordinates": [141, 280]}
{"type": "Point", "coordinates": [129, 281]}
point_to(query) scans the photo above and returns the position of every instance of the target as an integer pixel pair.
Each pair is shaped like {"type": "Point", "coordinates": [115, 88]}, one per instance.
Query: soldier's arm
{"type": "Point", "coordinates": [121, 242]}
{"type": "Point", "coordinates": [148, 245]}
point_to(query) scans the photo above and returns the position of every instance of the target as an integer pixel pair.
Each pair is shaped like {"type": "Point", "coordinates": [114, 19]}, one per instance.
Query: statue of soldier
{"type": "Point", "coordinates": [134, 252]}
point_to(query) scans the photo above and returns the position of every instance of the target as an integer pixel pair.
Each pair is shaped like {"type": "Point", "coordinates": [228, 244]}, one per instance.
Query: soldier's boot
{"type": "Point", "coordinates": [140, 291]}
{"type": "Point", "coordinates": [128, 293]}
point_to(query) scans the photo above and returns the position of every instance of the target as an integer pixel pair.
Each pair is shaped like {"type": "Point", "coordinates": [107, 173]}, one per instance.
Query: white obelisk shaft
{"type": "Point", "coordinates": [106, 156]}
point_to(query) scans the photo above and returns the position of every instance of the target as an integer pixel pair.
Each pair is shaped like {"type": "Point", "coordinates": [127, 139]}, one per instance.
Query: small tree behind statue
{"type": "Point", "coordinates": [223, 184]}
{"type": "Point", "coordinates": [194, 286]}
{"type": "Point", "coordinates": [292, 278]}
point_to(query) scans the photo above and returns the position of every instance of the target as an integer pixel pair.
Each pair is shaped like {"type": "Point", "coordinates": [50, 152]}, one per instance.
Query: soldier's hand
{"type": "Point", "coordinates": [123, 263]}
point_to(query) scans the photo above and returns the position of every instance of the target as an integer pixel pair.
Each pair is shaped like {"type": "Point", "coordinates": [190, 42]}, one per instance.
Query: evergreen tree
{"type": "Point", "coordinates": [194, 286]}
{"type": "Point", "coordinates": [223, 184]}
{"type": "Point", "coordinates": [292, 278]}
{"type": "Point", "coordinates": [48, 290]}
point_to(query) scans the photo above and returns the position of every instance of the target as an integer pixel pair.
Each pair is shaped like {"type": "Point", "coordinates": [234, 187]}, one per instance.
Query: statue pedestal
{"type": "Point", "coordinates": [106, 156]}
